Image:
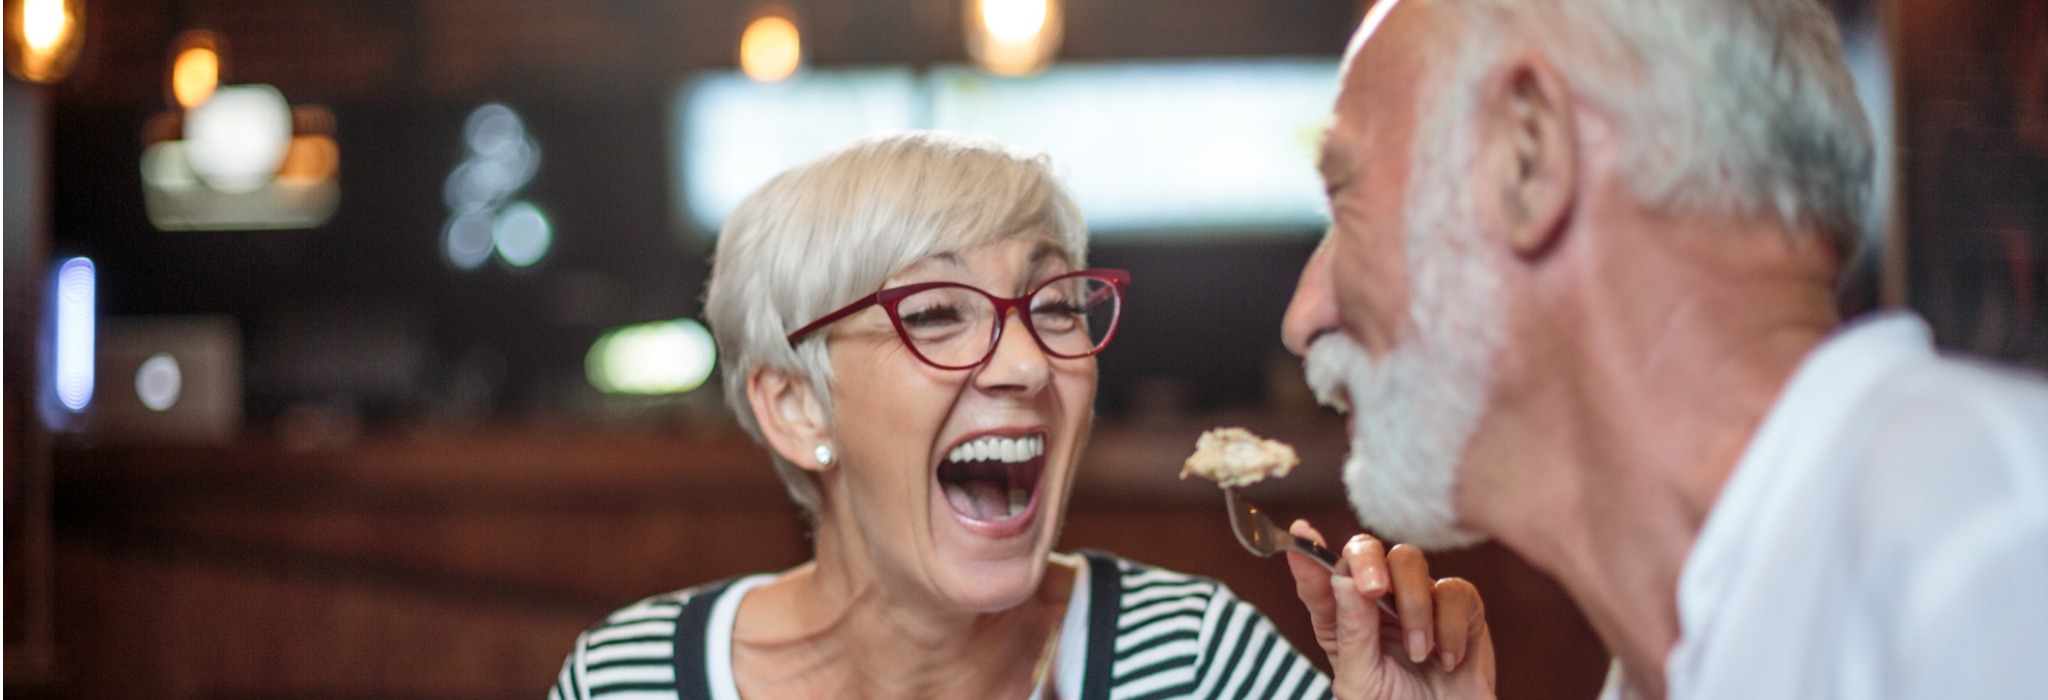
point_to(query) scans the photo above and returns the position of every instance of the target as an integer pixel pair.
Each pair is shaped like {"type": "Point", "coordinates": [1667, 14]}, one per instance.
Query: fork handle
{"type": "Point", "coordinates": [1317, 550]}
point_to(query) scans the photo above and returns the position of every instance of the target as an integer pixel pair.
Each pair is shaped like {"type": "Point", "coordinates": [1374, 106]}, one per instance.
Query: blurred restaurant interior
{"type": "Point", "coordinates": [352, 347]}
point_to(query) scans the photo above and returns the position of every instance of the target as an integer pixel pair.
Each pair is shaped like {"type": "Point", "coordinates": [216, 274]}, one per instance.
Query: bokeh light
{"type": "Point", "coordinates": [482, 216]}
{"type": "Point", "coordinates": [195, 72]}
{"type": "Point", "coordinates": [77, 311]}
{"type": "Point", "coordinates": [493, 129]}
{"type": "Point", "coordinates": [502, 159]}
{"type": "Point", "coordinates": [43, 43]}
{"type": "Point", "coordinates": [771, 49]}
{"type": "Point", "coordinates": [44, 24]}
{"type": "Point", "coordinates": [666, 357]}
{"type": "Point", "coordinates": [309, 159]}
{"type": "Point", "coordinates": [165, 167]}
{"type": "Point", "coordinates": [159, 381]}
{"type": "Point", "coordinates": [522, 234]}
{"type": "Point", "coordinates": [1013, 37]}
{"type": "Point", "coordinates": [1013, 20]}
{"type": "Point", "coordinates": [236, 140]}
{"type": "Point", "coordinates": [467, 240]}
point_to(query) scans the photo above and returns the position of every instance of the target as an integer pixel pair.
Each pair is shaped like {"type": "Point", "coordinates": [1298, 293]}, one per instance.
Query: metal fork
{"type": "Point", "coordinates": [1261, 537]}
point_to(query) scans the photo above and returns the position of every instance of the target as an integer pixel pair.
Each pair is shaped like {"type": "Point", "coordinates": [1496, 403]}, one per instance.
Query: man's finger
{"type": "Point", "coordinates": [1312, 585]}
{"type": "Point", "coordinates": [1415, 599]}
{"type": "Point", "coordinates": [1364, 561]}
{"type": "Point", "coordinates": [1357, 662]}
{"type": "Point", "coordinates": [1460, 618]}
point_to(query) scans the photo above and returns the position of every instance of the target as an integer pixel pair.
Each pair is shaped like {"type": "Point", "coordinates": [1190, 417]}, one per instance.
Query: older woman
{"type": "Point", "coordinates": [909, 328]}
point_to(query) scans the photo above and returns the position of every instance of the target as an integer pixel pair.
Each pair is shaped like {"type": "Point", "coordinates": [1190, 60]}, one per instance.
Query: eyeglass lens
{"type": "Point", "coordinates": [955, 326]}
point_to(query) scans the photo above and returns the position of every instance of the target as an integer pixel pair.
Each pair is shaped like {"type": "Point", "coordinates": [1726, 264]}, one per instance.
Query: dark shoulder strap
{"type": "Point", "coordinates": [1105, 600]}
{"type": "Point", "coordinates": [692, 625]}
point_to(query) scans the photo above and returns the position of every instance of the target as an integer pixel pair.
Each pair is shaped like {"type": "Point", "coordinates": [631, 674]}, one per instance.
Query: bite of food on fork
{"type": "Point", "coordinates": [1432, 641]}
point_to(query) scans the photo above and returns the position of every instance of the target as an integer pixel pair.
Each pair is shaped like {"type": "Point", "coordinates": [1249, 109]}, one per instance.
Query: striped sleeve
{"type": "Point", "coordinates": [628, 656]}
{"type": "Point", "coordinates": [1184, 636]}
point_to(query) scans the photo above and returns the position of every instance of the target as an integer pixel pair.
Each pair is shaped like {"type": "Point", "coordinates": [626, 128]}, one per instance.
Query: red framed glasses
{"type": "Point", "coordinates": [950, 325]}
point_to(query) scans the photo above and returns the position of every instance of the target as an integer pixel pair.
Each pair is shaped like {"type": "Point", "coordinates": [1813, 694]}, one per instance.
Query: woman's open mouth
{"type": "Point", "coordinates": [992, 478]}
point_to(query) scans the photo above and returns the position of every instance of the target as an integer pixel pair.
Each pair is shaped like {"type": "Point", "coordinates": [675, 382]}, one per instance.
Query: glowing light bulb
{"type": "Point", "coordinates": [770, 49]}
{"type": "Point", "coordinates": [1013, 37]}
{"type": "Point", "coordinates": [1013, 21]}
{"type": "Point", "coordinates": [44, 24]}
{"type": "Point", "coordinates": [43, 39]}
{"type": "Point", "coordinates": [194, 75]}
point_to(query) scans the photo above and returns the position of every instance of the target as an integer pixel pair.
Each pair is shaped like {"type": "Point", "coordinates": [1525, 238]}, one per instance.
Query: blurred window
{"type": "Point", "coordinates": [1149, 148]}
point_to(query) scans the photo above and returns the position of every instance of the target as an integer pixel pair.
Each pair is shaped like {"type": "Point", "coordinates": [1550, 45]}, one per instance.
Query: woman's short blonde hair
{"type": "Point", "coordinates": [829, 231]}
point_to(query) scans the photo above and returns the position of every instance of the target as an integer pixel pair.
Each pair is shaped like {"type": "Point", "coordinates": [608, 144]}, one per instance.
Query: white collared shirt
{"type": "Point", "coordinates": [1885, 535]}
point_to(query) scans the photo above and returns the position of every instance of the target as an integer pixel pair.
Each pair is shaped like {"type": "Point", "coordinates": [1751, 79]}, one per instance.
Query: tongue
{"type": "Point", "coordinates": [981, 499]}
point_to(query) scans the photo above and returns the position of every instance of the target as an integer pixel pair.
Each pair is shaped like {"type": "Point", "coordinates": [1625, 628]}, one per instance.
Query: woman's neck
{"type": "Point", "coordinates": [838, 627]}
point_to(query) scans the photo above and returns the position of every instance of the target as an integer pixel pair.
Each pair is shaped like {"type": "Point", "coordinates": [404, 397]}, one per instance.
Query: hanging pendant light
{"type": "Point", "coordinates": [771, 47]}
{"type": "Point", "coordinates": [43, 38]}
{"type": "Point", "coordinates": [196, 62]}
{"type": "Point", "coordinates": [1013, 37]}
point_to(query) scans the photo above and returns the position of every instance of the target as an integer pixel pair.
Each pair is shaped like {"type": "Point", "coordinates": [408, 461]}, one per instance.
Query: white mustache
{"type": "Point", "coordinates": [1331, 362]}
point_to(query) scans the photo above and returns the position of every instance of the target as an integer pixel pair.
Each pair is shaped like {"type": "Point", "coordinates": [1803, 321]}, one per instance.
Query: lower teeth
{"type": "Point", "coordinates": [1018, 499]}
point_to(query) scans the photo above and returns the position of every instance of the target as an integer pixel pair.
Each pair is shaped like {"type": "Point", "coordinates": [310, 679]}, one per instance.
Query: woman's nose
{"type": "Point", "coordinates": [1313, 311]}
{"type": "Point", "coordinates": [1018, 364]}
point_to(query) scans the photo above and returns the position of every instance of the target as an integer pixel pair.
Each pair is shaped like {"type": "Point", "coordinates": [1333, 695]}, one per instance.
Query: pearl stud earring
{"type": "Point", "coordinates": [823, 453]}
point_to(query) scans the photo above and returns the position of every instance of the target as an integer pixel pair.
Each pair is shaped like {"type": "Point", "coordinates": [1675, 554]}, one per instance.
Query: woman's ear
{"type": "Point", "coordinates": [1532, 159]}
{"type": "Point", "coordinates": [791, 418]}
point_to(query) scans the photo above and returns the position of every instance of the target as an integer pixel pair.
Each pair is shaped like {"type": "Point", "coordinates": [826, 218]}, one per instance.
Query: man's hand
{"type": "Point", "coordinates": [1440, 648]}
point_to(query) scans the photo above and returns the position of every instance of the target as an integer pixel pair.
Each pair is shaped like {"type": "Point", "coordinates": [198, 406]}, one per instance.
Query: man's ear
{"type": "Point", "coordinates": [790, 415]}
{"type": "Point", "coordinates": [1532, 153]}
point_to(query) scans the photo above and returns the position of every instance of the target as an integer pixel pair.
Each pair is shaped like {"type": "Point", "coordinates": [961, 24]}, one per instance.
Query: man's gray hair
{"type": "Point", "coordinates": [832, 230]}
{"type": "Point", "coordinates": [1741, 106]}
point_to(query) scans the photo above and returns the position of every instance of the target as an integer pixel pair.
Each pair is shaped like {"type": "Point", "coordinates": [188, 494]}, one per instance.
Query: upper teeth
{"type": "Point", "coordinates": [1000, 449]}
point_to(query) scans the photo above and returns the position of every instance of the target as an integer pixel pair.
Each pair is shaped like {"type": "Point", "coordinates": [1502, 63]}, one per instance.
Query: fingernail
{"type": "Point", "coordinates": [1418, 647]}
{"type": "Point", "coordinates": [1371, 582]}
{"type": "Point", "coordinates": [1448, 662]}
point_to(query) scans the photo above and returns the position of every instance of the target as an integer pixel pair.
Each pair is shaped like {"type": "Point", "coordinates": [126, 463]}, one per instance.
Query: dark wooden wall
{"type": "Point", "coordinates": [462, 566]}
{"type": "Point", "coordinates": [1973, 108]}
{"type": "Point", "coordinates": [465, 50]}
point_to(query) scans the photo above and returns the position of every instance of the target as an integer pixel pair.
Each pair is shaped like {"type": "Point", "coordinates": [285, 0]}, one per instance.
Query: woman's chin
{"type": "Point", "coordinates": [991, 586]}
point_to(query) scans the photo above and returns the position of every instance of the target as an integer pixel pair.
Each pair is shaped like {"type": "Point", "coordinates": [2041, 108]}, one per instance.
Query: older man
{"type": "Point", "coordinates": [1577, 296]}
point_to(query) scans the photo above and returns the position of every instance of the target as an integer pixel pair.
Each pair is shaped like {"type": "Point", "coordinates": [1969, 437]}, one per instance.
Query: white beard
{"type": "Point", "coordinates": [1414, 411]}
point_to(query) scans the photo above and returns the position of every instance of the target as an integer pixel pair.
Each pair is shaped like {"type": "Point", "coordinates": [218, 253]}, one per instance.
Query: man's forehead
{"type": "Point", "coordinates": [1375, 17]}
{"type": "Point", "coordinates": [1382, 67]}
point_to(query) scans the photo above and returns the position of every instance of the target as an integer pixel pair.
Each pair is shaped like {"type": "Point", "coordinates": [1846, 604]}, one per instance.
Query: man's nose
{"type": "Point", "coordinates": [1313, 311]}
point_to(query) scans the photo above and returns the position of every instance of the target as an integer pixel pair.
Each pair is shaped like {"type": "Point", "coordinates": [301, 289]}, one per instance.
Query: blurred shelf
{"type": "Point", "coordinates": [568, 468]}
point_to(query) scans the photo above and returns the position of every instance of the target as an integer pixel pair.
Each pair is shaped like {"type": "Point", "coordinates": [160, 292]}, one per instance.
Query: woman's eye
{"type": "Point", "coordinates": [1056, 315]}
{"type": "Point", "coordinates": [932, 317]}
{"type": "Point", "coordinates": [1058, 307]}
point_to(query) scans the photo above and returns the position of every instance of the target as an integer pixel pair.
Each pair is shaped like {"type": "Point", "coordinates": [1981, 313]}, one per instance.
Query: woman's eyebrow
{"type": "Point", "coordinates": [1045, 249]}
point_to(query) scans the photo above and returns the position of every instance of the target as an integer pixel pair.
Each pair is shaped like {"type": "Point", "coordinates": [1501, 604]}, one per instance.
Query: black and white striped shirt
{"type": "Point", "coordinates": [1137, 632]}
